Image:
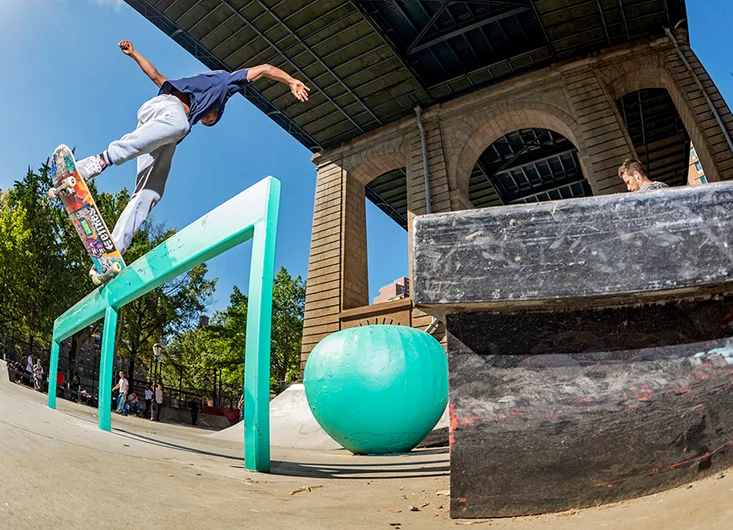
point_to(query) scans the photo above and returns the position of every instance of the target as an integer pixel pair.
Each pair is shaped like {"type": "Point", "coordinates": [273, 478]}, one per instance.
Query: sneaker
{"type": "Point", "coordinates": [91, 166]}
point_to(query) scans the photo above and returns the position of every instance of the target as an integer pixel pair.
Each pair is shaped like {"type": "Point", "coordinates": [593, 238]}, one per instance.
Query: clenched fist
{"type": "Point", "coordinates": [126, 47]}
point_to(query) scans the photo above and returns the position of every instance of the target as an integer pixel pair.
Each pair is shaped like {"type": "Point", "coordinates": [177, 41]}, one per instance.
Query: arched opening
{"type": "Point", "coordinates": [388, 192]}
{"type": "Point", "coordinates": [527, 165]}
{"type": "Point", "coordinates": [659, 136]}
{"type": "Point", "coordinates": [386, 217]}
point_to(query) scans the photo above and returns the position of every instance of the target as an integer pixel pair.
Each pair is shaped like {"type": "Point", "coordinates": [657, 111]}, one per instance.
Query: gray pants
{"type": "Point", "coordinates": [161, 123]}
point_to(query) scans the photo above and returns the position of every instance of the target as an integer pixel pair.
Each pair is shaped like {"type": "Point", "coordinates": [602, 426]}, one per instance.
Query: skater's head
{"type": "Point", "coordinates": [633, 174]}
{"type": "Point", "coordinates": [122, 374]}
{"type": "Point", "coordinates": [210, 118]}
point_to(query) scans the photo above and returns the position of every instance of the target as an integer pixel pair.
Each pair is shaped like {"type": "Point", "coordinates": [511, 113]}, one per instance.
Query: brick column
{"type": "Point", "coordinates": [323, 288]}
{"type": "Point", "coordinates": [355, 273]}
{"type": "Point", "coordinates": [337, 268]}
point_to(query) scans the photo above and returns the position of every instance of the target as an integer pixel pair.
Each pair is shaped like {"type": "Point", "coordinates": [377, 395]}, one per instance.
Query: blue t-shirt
{"type": "Point", "coordinates": [207, 91]}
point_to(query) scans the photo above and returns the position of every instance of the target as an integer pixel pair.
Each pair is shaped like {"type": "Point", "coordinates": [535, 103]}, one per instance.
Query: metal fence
{"type": "Point", "coordinates": [15, 348]}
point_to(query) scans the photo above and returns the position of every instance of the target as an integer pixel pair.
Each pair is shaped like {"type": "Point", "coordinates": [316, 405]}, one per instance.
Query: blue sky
{"type": "Point", "coordinates": [63, 80]}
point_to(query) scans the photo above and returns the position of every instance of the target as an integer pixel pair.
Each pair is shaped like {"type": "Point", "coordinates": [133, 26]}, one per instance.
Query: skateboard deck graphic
{"type": "Point", "coordinates": [70, 187]}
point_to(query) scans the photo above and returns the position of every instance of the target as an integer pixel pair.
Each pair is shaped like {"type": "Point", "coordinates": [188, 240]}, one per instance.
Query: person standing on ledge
{"type": "Point", "coordinates": [633, 174]}
{"type": "Point", "coordinates": [163, 122]}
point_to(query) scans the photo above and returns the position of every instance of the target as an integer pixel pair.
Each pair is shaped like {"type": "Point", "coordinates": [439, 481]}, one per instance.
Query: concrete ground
{"type": "Point", "coordinates": [58, 470]}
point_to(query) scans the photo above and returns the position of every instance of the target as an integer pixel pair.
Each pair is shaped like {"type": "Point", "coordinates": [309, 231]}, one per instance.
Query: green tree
{"type": "Point", "coordinates": [288, 306]}
{"type": "Point", "coordinates": [44, 271]}
{"type": "Point", "coordinates": [221, 345]}
{"type": "Point", "coordinates": [168, 311]}
{"type": "Point", "coordinates": [218, 347]}
{"type": "Point", "coordinates": [14, 251]}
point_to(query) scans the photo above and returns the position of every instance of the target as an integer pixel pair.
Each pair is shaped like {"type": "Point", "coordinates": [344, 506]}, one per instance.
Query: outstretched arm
{"type": "Point", "coordinates": [147, 67]}
{"type": "Point", "coordinates": [298, 88]}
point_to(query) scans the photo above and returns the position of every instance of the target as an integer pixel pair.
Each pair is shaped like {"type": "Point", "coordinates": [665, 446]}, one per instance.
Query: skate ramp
{"type": "Point", "coordinates": [292, 424]}
{"type": "Point", "coordinates": [438, 437]}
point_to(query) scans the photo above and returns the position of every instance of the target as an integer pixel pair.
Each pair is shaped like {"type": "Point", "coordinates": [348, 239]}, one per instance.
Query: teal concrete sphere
{"type": "Point", "coordinates": [377, 389]}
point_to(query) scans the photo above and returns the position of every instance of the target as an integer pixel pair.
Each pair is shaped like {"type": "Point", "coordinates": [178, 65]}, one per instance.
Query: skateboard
{"type": "Point", "coordinates": [70, 187]}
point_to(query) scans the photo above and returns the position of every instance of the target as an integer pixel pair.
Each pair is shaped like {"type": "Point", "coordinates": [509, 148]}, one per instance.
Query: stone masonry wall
{"type": "Point", "coordinates": [576, 99]}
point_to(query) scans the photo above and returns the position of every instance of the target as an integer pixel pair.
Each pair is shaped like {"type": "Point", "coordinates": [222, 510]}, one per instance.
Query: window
{"type": "Point", "coordinates": [698, 167]}
{"type": "Point", "coordinates": [703, 180]}
{"type": "Point", "coordinates": [693, 153]}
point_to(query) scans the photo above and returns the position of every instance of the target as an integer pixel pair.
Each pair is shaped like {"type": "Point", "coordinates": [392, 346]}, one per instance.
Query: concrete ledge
{"type": "Point", "coordinates": [590, 346]}
{"type": "Point", "coordinates": [592, 251]}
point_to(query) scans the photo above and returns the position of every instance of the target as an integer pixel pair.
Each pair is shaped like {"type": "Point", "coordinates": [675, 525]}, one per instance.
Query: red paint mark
{"type": "Point", "coordinates": [606, 484]}
{"type": "Point", "coordinates": [698, 458]}
{"type": "Point", "coordinates": [462, 499]}
{"type": "Point", "coordinates": [682, 391]}
{"type": "Point", "coordinates": [644, 393]}
{"type": "Point", "coordinates": [634, 406]}
{"type": "Point", "coordinates": [654, 470]}
{"type": "Point", "coordinates": [584, 400]}
{"type": "Point", "coordinates": [453, 425]}
{"type": "Point", "coordinates": [697, 407]}
{"type": "Point", "coordinates": [550, 415]}
{"type": "Point", "coordinates": [455, 422]}
{"type": "Point", "coordinates": [669, 427]}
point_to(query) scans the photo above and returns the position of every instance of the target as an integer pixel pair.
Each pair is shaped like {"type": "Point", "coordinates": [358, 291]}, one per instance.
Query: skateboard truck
{"type": "Point", "coordinates": [99, 279]}
{"type": "Point", "coordinates": [67, 184]}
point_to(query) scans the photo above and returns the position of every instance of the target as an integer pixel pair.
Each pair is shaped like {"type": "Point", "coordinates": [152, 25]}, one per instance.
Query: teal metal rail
{"type": "Point", "coordinates": [252, 215]}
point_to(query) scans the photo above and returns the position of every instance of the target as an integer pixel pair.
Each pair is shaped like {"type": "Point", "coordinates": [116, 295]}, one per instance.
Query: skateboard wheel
{"type": "Point", "coordinates": [96, 280]}
{"type": "Point", "coordinates": [53, 193]}
{"type": "Point", "coordinates": [70, 182]}
{"type": "Point", "coordinates": [116, 267]}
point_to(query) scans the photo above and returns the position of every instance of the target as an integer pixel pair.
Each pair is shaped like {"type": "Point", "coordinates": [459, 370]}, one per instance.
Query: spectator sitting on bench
{"type": "Point", "coordinates": [133, 404]}
{"type": "Point", "coordinates": [38, 376]}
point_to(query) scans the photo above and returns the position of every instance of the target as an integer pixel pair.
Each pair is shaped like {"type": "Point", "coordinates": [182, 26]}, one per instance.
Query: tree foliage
{"type": "Point", "coordinates": [44, 271]}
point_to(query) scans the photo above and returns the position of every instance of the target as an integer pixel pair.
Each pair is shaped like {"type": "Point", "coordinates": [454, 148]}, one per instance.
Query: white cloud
{"type": "Point", "coordinates": [19, 13]}
{"type": "Point", "coordinates": [114, 4]}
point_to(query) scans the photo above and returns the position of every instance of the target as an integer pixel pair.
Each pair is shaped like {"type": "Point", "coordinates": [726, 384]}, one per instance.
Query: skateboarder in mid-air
{"type": "Point", "coordinates": [163, 122]}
